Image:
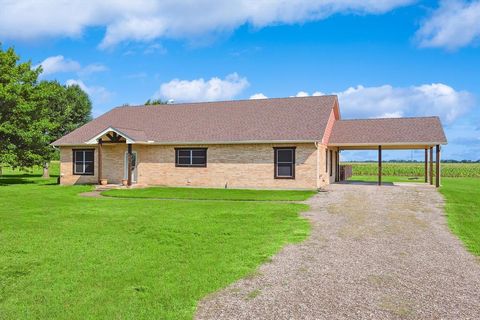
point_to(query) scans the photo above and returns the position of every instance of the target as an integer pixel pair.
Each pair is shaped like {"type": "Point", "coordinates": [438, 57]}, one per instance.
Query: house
{"type": "Point", "coordinates": [266, 143]}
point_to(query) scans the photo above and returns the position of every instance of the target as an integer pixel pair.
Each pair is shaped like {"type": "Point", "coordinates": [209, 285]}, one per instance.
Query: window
{"type": "Point", "coordinates": [83, 163]}
{"type": "Point", "coordinates": [190, 157]}
{"type": "Point", "coordinates": [284, 163]}
{"type": "Point", "coordinates": [331, 163]}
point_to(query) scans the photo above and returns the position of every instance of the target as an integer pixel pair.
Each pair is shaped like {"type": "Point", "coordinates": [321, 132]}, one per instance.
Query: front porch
{"type": "Point", "coordinates": [116, 156]}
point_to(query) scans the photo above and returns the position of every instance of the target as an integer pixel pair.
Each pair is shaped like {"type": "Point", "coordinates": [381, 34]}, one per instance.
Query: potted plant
{"type": "Point", "coordinates": [103, 182]}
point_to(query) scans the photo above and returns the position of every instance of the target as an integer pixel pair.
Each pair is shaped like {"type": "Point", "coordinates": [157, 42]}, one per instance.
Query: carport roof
{"type": "Point", "coordinates": [394, 132]}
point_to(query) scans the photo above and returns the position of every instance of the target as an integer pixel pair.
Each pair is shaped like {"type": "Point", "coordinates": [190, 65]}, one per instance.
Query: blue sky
{"type": "Point", "coordinates": [383, 58]}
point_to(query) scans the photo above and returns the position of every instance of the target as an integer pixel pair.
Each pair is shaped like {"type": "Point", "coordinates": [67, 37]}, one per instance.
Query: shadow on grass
{"type": "Point", "coordinates": [11, 181]}
{"type": "Point", "coordinates": [362, 182]}
{"type": "Point", "coordinates": [19, 179]}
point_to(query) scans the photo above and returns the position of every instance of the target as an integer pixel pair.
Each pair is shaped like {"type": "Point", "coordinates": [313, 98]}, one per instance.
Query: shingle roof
{"type": "Point", "coordinates": [418, 130]}
{"type": "Point", "coordinates": [282, 119]}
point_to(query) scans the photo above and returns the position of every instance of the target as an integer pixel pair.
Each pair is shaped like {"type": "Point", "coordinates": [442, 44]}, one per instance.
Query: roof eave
{"type": "Point", "coordinates": [201, 142]}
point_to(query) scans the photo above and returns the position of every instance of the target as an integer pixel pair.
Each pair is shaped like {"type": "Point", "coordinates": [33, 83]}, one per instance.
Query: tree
{"type": "Point", "coordinates": [63, 109]}
{"type": "Point", "coordinates": [33, 114]}
{"type": "Point", "coordinates": [155, 102]}
{"type": "Point", "coordinates": [17, 109]}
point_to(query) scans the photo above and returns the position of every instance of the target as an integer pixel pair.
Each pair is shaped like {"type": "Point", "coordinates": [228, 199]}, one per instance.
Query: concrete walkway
{"type": "Point", "coordinates": [374, 253]}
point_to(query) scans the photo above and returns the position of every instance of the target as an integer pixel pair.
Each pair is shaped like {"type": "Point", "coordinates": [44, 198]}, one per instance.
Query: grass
{"type": "Point", "coordinates": [463, 210]}
{"type": "Point", "coordinates": [387, 179]}
{"type": "Point", "coordinates": [211, 194]}
{"type": "Point", "coordinates": [456, 170]}
{"type": "Point", "coordinates": [63, 256]}
{"type": "Point", "coordinates": [462, 206]}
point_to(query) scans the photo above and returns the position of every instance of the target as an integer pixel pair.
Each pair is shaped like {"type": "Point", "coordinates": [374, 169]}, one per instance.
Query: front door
{"type": "Point", "coordinates": [134, 166]}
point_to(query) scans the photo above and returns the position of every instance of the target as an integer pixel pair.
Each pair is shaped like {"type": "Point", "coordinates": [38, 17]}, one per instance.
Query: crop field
{"type": "Point", "coordinates": [454, 170]}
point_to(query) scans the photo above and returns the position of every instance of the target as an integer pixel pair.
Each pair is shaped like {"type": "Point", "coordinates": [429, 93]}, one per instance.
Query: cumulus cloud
{"type": "Point", "coordinates": [427, 99]}
{"type": "Point", "coordinates": [203, 90]}
{"type": "Point", "coordinates": [453, 25]}
{"type": "Point", "coordinates": [98, 94]}
{"type": "Point", "coordinates": [258, 96]}
{"type": "Point", "coordinates": [145, 20]}
{"type": "Point", "coordinates": [302, 94]}
{"type": "Point", "coordinates": [92, 68]}
{"type": "Point", "coordinates": [392, 102]}
{"type": "Point", "coordinates": [57, 64]}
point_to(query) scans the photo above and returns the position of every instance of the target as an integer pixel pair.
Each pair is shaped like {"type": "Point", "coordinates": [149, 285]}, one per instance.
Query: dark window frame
{"type": "Point", "coordinates": [191, 165]}
{"type": "Point", "coordinates": [275, 161]}
{"type": "Point", "coordinates": [74, 158]}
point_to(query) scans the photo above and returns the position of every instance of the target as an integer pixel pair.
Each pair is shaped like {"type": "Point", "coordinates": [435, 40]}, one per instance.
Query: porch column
{"type": "Point", "coordinates": [431, 165]}
{"type": "Point", "coordinates": [426, 165]}
{"type": "Point", "coordinates": [338, 165]}
{"type": "Point", "coordinates": [437, 167]}
{"type": "Point", "coordinates": [379, 165]}
{"type": "Point", "coordinates": [129, 167]}
{"type": "Point", "coordinates": [100, 164]}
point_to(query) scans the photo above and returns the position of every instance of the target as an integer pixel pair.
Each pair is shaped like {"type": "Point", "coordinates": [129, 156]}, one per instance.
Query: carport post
{"type": "Point", "coordinates": [431, 165]}
{"type": "Point", "coordinates": [100, 164]}
{"type": "Point", "coordinates": [379, 165]}
{"type": "Point", "coordinates": [426, 165]}
{"type": "Point", "coordinates": [437, 167]}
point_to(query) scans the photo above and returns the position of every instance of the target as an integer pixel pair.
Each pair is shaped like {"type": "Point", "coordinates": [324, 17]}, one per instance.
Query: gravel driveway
{"type": "Point", "coordinates": [374, 252]}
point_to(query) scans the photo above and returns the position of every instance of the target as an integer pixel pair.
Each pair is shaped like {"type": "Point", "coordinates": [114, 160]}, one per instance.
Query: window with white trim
{"type": "Point", "coordinates": [191, 157]}
{"type": "Point", "coordinates": [83, 161]}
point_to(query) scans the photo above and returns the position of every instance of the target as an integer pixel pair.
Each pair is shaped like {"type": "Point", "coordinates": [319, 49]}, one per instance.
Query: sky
{"type": "Point", "coordinates": [383, 58]}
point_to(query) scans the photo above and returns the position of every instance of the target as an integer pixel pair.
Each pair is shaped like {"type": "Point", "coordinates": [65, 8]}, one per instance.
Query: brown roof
{"type": "Point", "coordinates": [282, 119]}
{"type": "Point", "coordinates": [418, 130]}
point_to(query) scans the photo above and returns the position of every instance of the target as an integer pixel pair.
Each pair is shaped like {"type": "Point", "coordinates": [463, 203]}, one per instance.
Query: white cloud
{"type": "Point", "coordinates": [453, 25]}
{"type": "Point", "coordinates": [396, 114]}
{"type": "Point", "coordinates": [57, 64]}
{"type": "Point", "coordinates": [201, 90]}
{"type": "Point", "coordinates": [302, 94]}
{"type": "Point", "coordinates": [258, 96]}
{"type": "Point", "coordinates": [427, 99]}
{"type": "Point", "coordinates": [98, 94]}
{"type": "Point", "coordinates": [92, 68]}
{"type": "Point", "coordinates": [146, 20]}
{"type": "Point", "coordinates": [393, 102]}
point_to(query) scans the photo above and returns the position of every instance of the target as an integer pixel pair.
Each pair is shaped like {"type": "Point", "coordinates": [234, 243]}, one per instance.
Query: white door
{"type": "Point", "coordinates": [134, 166]}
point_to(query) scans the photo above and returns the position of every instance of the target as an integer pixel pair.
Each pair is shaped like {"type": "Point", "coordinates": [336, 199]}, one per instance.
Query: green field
{"type": "Point", "coordinates": [453, 170]}
{"type": "Point", "coordinates": [63, 256]}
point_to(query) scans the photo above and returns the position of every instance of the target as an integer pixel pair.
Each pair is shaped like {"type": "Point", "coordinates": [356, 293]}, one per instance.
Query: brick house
{"type": "Point", "coordinates": [290, 143]}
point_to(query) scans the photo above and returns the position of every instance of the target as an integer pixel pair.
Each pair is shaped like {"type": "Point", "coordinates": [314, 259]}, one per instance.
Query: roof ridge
{"type": "Point", "coordinates": [388, 118]}
{"type": "Point", "coordinates": [220, 101]}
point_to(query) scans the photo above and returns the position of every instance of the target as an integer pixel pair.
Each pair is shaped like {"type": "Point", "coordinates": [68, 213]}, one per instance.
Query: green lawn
{"type": "Point", "coordinates": [211, 194]}
{"type": "Point", "coordinates": [462, 197]}
{"type": "Point", "coordinates": [63, 256]}
{"type": "Point", "coordinates": [462, 206]}
{"type": "Point", "coordinates": [387, 179]}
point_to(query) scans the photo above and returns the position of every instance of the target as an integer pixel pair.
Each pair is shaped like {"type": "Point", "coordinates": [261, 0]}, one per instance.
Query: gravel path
{"type": "Point", "coordinates": [374, 253]}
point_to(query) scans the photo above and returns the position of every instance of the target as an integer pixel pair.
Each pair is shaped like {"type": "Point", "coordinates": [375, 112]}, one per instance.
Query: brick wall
{"type": "Point", "coordinates": [237, 166]}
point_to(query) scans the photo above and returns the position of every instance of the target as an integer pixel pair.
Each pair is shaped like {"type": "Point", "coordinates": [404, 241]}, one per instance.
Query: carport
{"type": "Point", "coordinates": [425, 133]}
